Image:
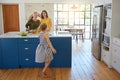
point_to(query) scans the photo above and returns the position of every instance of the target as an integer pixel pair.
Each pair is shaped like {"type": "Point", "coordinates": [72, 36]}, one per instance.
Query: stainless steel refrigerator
{"type": "Point", "coordinates": [97, 30]}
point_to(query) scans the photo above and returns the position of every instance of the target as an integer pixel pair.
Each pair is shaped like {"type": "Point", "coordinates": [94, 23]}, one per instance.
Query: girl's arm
{"type": "Point", "coordinates": [49, 43]}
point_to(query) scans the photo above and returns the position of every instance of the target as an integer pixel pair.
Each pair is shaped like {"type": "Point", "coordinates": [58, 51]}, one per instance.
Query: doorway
{"type": "Point", "coordinates": [11, 17]}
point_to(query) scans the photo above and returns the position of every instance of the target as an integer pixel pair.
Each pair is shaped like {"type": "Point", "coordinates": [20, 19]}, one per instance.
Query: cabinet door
{"type": "Point", "coordinates": [63, 47]}
{"type": "Point", "coordinates": [0, 55]}
{"type": "Point", "coordinates": [10, 52]}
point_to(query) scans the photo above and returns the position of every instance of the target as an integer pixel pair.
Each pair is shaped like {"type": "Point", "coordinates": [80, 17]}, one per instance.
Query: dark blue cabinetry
{"type": "Point", "coordinates": [20, 52]}
{"type": "Point", "coordinates": [63, 47]}
{"type": "Point", "coordinates": [0, 55]}
{"type": "Point", "coordinates": [10, 58]}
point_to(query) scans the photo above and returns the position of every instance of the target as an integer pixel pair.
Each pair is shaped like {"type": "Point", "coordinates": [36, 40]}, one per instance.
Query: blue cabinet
{"type": "Point", "coordinates": [63, 47]}
{"type": "Point", "coordinates": [10, 58]}
{"type": "Point", "coordinates": [0, 55]}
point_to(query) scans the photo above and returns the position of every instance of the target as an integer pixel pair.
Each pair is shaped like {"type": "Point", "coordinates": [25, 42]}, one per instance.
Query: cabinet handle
{"type": "Point", "coordinates": [27, 59]}
{"type": "Point", "coordinates": [26, 48]}
{"type": "Point", "coordinates": [25, 40]}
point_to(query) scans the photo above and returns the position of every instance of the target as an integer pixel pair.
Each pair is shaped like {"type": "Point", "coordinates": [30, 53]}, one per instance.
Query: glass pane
{"type": "Point", "coordinates": [55, 14]}
{"type": "Point", "coordinates": [71, 22]}
{"type": "Point", "coordinates": [82, 7]}
{"type": "Point", "coordinates": [87, 22]}
{"type": "Point", "coordinates": [63, 17]}
{"type": "Point", "coordinates": [71, 15]}
{"type": "Point", "coordinates": [64, 21]}
{"type": "Point", "coordinates": [71, 7]}
{"type": "Point", "coordinates": [81, 21]}
{"type": "Point", "coordinates": [71, 18]}
{"type": "Point", "coordinates": [88, 7]}
{"type": "Point", "coordinates": [59, 7]}
{"type": "Point", "coordinates": [59, 21]}
{"type": "Point", "coordinates": [60, 15]}
{"type": "Point", "coordinates": [65, 14]}
{"type": "Point", "coordinates": [87, 28]}
{"type": "Point", "coordinates": [77, 21]}
{"type": "Point", "coordinates": [76, 15]}
{"type": "Point", "coordinates": [55, 7]}
{"type": "Point", "coordinates": [87, 15]}
{"type": "Point", "coordinates": [65, 7]}
{"type": "Point", "coordinates": [55, 21]}
{"type": "Point", "coordinates": [81, 15]}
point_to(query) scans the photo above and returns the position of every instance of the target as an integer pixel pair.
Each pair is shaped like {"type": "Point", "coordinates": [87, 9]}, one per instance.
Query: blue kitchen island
{"type": "Point", "coordinates": [19, 52]}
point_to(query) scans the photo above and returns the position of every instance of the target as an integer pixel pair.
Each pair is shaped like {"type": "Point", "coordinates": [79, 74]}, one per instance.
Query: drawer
{"type": "Point", "coordinates": [116, 41]}
{"type": "Point", "coordinates": [105, 56]}
{"type": "Point", "coordinates": [116, 64]}
{"type": "Point", "coordinates": [28, 40]}
{"type": "Point", "coordinates": [28, 48]}
{"type": "Point", "coordinates": [27, 59]}
{"type": "Point", "coordinates": [116, 51]}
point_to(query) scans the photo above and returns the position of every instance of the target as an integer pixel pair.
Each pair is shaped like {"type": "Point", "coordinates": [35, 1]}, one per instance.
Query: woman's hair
{"type": "Point", "coordinates": [42, 14]}
{"type": "Point", "coordinates": [31, 16]}
{"type": "Point", "coordinates": [43, 26]}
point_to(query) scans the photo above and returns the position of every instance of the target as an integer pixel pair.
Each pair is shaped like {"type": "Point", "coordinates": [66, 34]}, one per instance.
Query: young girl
{"type": "Point", "coordinates": [44, 49]}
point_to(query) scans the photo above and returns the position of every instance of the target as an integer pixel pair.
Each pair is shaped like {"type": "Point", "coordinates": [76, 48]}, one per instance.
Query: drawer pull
{"type": "Point", "coordinates": [25, 40]}
{"type": "Point", "coordinates": [26, 48]}
{"type": "Point", "coordinates": [27, 59]}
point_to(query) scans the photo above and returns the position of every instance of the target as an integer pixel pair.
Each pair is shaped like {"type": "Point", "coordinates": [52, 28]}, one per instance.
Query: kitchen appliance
{"type": "Point", "coordinates": [97, 30]}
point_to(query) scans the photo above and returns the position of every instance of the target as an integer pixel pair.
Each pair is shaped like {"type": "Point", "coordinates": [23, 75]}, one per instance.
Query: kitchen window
{"type": "Point", "coordinates": [73, 15]}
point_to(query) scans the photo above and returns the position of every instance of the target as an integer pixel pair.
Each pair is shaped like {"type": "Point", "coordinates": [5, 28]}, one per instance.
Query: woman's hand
{"type": "Point", "coordinates": [54, 51]}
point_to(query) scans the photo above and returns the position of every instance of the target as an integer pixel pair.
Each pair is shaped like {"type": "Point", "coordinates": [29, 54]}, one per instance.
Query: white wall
{"type": "Point", "coordinates": [1, 20]}
{"type": "Point", "coordinates": [115, 18]}
{"type": "Point", "coordinates": [22, 16]}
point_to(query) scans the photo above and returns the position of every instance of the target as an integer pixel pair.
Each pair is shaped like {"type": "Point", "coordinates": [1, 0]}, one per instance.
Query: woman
{"type": "Point", "coordinates": [33, 23]}
{"type": "Point", "coordinates": [46, 19]}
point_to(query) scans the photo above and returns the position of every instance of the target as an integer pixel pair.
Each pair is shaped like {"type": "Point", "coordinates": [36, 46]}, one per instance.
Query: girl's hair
{"type": "Point", "coordinates": [43, 26]}
{"type": "Point", "coordinates": [42, 14]}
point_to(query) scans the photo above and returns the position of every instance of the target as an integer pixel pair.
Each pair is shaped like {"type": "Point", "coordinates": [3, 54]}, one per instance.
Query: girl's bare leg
{"type": "Point", "coordinates": [45, 68]}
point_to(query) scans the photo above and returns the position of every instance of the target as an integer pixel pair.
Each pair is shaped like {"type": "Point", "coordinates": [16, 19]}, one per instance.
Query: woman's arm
{"type": "Point", "coordinates": [49, 43]}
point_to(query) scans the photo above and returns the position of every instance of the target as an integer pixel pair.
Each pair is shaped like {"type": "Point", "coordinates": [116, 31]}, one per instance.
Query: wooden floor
{"type": "Point", "coordinates": [84, 67]}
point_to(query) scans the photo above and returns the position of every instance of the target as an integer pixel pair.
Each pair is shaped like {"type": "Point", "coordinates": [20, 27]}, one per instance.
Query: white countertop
{"type": "Point", "coordinates": [17, 35]}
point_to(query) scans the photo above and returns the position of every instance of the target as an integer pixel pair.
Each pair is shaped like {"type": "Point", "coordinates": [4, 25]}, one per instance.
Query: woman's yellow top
{"type": "Point", "coordinates": [48, 22]}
